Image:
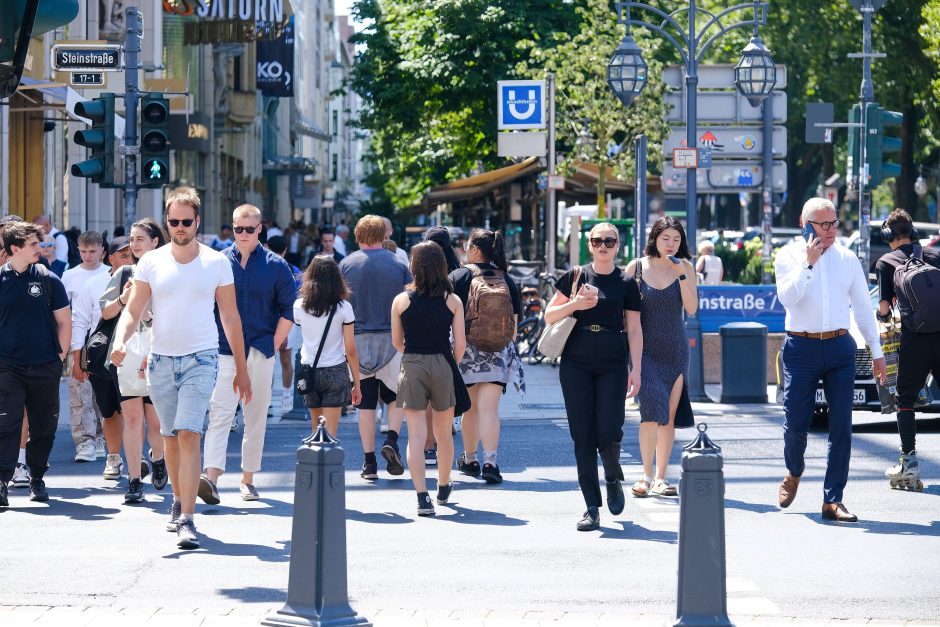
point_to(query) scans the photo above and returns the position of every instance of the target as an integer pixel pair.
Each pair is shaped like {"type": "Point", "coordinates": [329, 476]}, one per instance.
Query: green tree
{"type": "Point", "coordinates": [592, 125]}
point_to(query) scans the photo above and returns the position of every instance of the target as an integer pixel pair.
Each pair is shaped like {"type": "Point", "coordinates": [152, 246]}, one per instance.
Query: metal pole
{"type": "Point", "coordinates": [132, 37]}
{"type": "Point", "coordinates": [768, 195]}
{"type": "Point", "coordinates": [551, 211]}
{"type": "Point", "coordinates": [639, 195]}
{"type": "Point", "coordinates": [867, 95]}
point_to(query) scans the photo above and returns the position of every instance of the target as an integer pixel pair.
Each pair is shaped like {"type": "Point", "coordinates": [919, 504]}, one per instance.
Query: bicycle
{"type": "Point", "coordinates": [530, 328]}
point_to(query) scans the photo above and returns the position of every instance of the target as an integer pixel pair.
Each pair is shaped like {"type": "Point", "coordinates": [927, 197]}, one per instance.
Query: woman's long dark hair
{"type": "Point", "coordinates": [440, 236]}
{"type": "Point", "coordinates": [667, 222]}
{"type": "Point", "coordinates": [430, 271]}
{"type": "Point", "coordinates": [323, 287]}
{"type": "Point", "coordinates": [154, 231]}
{"type": "Point", "coordinates": [493, 246]}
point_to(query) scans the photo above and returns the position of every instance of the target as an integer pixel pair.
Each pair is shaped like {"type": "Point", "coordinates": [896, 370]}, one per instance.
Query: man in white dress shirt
{"type": "Point", "coordinates": [821, 283]}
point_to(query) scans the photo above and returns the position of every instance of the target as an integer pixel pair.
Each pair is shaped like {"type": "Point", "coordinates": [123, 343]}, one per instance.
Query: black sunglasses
{"type": "Point", "coordinates": [175, 223]}
{"type": "Point", "coordinates": [246, 229]}
{"type": "Point", "coordinates": [607, 242]}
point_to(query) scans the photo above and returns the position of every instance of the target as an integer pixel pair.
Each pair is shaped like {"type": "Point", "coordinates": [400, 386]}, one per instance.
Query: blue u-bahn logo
{"type": "Point", "coordinates": [521, 104]}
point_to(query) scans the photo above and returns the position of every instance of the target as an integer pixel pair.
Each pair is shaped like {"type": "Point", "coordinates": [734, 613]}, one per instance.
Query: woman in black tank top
{"type": "Point", "coordinates": [422, 320]}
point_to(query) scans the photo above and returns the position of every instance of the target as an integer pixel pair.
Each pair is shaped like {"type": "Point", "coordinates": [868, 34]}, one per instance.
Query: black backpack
{"type": "Point", "coordinates": [917, 288]}
{"type": "Point", "coordinates": [75, 257]}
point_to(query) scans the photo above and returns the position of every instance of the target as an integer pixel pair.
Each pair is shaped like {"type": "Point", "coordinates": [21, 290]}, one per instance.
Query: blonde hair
{"type": "Point", "coordinates": [246, 211]}
{"type": "Point", "coordinates": [184, 196]}
{"type": "Point", "coordinates": [370, 230]}
{"type": "Point", "coordinates": [600, 226]}
{"type": "Point", "coordinates": [706, 247]}
{"type": "Point", "coordinates": [813, 205]}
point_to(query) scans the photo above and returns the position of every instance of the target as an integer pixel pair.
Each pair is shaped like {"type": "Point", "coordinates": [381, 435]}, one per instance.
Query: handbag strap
{"type": "Point", "coordinates": [326, 330]}
{"type": "Point", "coordinates": [575, 279]}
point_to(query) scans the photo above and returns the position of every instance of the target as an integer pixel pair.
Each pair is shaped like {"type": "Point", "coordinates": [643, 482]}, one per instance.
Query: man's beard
{"type": "Point", "coordinates": [182, 240]}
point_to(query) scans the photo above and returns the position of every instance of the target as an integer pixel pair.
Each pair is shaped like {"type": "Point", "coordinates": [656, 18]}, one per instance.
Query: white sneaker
{"type": "Point", "coordinates": [100, 448]}
{"type": "Point", "coordinates": [113, 467]}
{"type": "Point", "coordinates": [85, 451]}
{"type": "Point", "coordinates": [20, 476]}
{"type": "Point", "coordinates": [287, 404]}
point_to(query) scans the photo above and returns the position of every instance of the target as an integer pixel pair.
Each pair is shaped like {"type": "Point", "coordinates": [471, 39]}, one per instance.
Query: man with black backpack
{"type": "Point", "coordinates": [910, 276]}
{"type": "Point", "coordinates": [37, 332]}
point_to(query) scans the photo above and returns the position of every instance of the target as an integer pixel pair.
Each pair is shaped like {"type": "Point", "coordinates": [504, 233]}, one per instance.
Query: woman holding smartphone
{"type": "Point", "coordinates": [593, 373]}
{"type": "Point", "coordinates": [667, 282]}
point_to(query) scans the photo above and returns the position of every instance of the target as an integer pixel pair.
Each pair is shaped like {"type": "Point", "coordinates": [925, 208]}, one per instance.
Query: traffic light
{"type": "Point", "coordinates": [878, 144]}
{"type": "Point", "coordinates": [50, 14]}
{"type": "Point", "coordinates": [853, 164]}
{"type": "Point", "coordinates": [154, 140]}
{"type": "Point", "coordinates": [99, 139]}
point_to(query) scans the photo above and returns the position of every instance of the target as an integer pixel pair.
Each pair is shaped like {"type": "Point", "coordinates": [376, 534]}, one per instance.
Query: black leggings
{"type": "Point", "coordinates": [594, 397]}
{"type": "Point", "coordinates": [919, 355]}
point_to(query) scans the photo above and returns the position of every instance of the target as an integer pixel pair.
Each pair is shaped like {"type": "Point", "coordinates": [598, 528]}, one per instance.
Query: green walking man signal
{"type": "Point", "coordinates": [154, 140]}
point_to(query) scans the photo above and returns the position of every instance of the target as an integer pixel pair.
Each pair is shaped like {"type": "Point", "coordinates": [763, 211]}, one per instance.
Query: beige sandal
{"type": "Point", "coordinates": [641, 488]}
{"type": "Point", "coordinates": [661, 487]}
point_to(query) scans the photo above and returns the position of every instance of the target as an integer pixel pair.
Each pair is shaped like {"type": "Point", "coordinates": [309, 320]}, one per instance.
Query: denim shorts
{"type": "Point", "coordinates": [181, 388]}
{"type": "Point", "coordinates": [327, 387]}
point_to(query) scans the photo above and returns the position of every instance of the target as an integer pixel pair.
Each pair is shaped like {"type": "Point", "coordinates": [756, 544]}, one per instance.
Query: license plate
{"type": "Point", "coordinates": [858, 396]}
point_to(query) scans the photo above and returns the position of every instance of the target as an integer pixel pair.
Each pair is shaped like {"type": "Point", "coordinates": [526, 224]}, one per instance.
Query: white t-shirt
{"type": "Point", "coordinates": [712, 270]}
{"type": "Point", "coordinates": [334, 350]}
{"type": "Point", "coordinates": [74, 278]}
{"type": "Point", "coordinates": [183, 299]}
{"type": "Point", "coordinates": [86, 307]}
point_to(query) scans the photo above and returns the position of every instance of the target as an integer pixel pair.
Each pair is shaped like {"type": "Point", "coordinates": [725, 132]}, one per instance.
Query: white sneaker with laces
{"type": "Point", "coordinates": [100, 446]}
{"type": "Point", "coordinates": [20, 476]}
{"type": "Point", "coordinates": [85, 451]}
{"type": "Point", "coordinates": [113, 467]}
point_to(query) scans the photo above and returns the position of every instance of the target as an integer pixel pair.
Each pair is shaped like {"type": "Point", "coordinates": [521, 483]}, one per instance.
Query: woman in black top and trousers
{"type": "Point", "coordinates": [594, 377]}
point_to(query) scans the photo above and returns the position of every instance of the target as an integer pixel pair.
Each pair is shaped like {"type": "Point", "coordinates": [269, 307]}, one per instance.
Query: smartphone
{"type": "Point", "coordinates": [807, 231]}
{"type": "Point", "coordinates": [590, 288]}
{"type": "Point", "coordinates": [674, 260]}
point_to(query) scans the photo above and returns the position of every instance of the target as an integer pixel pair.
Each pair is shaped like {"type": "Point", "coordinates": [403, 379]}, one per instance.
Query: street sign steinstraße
{"type": "Point", "coordinates": [87, 57]}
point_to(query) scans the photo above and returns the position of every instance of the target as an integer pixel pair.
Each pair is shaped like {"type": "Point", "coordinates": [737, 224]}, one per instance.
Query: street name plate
{"type": "Point", "coordinates": [685, 157]}
{"type": "Point", "coordinates": [93, 57]}
{"type": "Point", "coordinates": [727, 177]}
{"type": "Point", "coordinates": [86, 79]}
{"type": "Point", "coordinates": [730, 142]}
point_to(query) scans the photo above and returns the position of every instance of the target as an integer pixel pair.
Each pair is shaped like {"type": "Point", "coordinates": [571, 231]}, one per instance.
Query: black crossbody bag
{"type": "Point", "coordinates": [306, 374]}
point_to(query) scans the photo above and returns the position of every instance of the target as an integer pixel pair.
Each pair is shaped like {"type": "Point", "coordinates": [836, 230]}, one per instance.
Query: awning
{"type": "Point", "coordinates": [481, 184]}
{"type": "Point", "coordinates": [55, 91]}
{"type": "Point", "coordinates": [584, 178]}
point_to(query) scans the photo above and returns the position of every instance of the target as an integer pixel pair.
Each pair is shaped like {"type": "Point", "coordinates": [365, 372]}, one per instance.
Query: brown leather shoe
{"type": "Point", "coordinates": [788, 490]}
{"type": "Point", "coordinates": [838, 513]}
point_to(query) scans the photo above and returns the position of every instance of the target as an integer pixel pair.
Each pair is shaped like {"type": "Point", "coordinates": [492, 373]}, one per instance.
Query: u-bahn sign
{"type": "Point", "coordinates": [87, 57]}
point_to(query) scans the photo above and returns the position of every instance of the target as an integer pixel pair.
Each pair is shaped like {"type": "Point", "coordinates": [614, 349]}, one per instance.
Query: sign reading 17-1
{"type": "Point", "coordinates": [520, 104]}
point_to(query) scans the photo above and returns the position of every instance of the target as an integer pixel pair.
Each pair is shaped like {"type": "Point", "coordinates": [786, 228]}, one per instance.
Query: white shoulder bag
{"type": "Point", "coordinates": [555, 336]}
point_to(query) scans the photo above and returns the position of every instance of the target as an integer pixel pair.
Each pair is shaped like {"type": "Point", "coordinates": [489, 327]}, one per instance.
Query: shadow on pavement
{"type": "Point", "coordinates": [260, 552]}
{"type": "Point", "coordinates": [382, 518]}
{"type": "Point", "coordinates": [275, 508]}
{"type": "Point", "coordinates": [477, 516]}
{"type": "Point", "coordinates": [758, 508]}
{"type": "Point", "coordinates": [878, 526]}
{"type": "Point", "coordinates": [633, 531]}
{"type": "Point", "coordinates": [255, 594]}
{"type": "Point", "coordinates": [67, 509]}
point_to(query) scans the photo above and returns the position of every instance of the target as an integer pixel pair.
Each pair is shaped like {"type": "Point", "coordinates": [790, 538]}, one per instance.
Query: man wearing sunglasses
{"type": "Point", "coordinates": [183, 283]}
{"type": "Point", "coordinates": [821, 283]}
{"type": "Point", "coordinates": [265, 291]}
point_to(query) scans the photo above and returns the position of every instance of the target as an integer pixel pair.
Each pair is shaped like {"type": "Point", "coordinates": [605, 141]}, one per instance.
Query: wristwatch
{"type": "Point", "coordinates": [807, 265]}
{"type": "Point", "coordinates": [682, 277]}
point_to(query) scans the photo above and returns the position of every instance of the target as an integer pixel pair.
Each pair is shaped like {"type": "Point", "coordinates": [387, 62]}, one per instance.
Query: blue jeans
{"type": "Point", "coordinates": [181, 388]}
{"type": "Point", "coordinates": [805, 362]}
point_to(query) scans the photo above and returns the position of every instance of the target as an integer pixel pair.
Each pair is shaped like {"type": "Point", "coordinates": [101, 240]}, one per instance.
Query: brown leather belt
{"type": "Point", "coordinates": [825, 335]}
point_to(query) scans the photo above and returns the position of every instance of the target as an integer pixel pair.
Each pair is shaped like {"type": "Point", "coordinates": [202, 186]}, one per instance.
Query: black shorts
{"type": "Point", "coordinates": [328, 387]}
{"type": "Point", "coordinates": [107, 396]}
{"type": "Point", "coordinates": [372, 388]}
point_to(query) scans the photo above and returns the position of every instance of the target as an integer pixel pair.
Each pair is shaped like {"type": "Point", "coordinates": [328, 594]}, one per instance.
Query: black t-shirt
{"type": "Point", "coordinates": [462, 277]}
{"type": "Point", "coordinates": [889, 262]}
{"type": "Point", "coordinates": [616, 292]}
{"type": "Point", "coordinates": [29, 336]}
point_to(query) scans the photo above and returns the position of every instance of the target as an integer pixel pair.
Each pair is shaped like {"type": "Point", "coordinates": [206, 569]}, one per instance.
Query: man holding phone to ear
{"type": "Point", "coordinates": [821, 283]}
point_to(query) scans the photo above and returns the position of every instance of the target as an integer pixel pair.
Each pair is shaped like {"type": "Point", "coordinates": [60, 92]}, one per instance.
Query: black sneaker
{"type": "Point", "coordinates": [443, 493]}
{"type": "Point", "coordinates": [135, 491]}
{"type": "Point", "coordinates": [491, 474]}
{"type": "Point", "coordinates": [159, 478]}
{"type": "Point", "coordinates": [4, 498]}
{"type": "Point", "coordinates": [369, 471]}
{"type": "Point", "coordinates": [472, 469]}
{"type": "Point", "coordinates": [425, 506]}
{"type": "Point", "coordinates": [393, 457]}
{"type": "Point", "coordinates": [37, 490]}
{"type": "Point", "coordinates": [615, 500]}
{"type": "Point", "coordinates": [591, 521]}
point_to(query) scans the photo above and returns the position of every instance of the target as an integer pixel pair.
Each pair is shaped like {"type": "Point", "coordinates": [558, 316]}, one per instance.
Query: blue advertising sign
{"type": "Point", "coordinates": [720, 304]}
{"type": "Point", "coordinates": [520, 104]}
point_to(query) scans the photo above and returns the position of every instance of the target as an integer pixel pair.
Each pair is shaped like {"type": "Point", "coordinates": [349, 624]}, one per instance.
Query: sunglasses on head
{"type": "Point", "coordinates": [245, 229]}
{"type": "Point", "coordinates": [175, 223]}
{"type": "Point", "coordinates": [606, 242]}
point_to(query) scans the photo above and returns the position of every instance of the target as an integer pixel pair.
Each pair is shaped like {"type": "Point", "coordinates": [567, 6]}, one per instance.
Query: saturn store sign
{"type": "Point", "coordinates": [229, 21]}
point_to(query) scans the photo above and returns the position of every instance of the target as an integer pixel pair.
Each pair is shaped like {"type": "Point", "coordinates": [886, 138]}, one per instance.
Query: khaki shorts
{"type": "Point", "coordinates": [423, 379]}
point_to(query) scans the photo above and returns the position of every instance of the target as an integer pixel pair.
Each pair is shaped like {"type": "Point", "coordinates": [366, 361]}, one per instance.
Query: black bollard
{"type": "Point", "coordinates": [702, 595]}
{"type": "Point", "coordinates": [316, 589]}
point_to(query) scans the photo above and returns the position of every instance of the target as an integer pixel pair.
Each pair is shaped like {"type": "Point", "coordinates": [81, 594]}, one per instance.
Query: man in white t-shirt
{"type": "Point", "coordinates": [85, 417]}
{"type": "Point", "coordinates": [183, 283]}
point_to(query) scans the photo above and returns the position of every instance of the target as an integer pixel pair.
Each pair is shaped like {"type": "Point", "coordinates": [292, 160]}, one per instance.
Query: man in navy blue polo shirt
{"type": "Point", "coordinates": [265, 293]}
{"type": "Point", "coordinates": [37, 332]}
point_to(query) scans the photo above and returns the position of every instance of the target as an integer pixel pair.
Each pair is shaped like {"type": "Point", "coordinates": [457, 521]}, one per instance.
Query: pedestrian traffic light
{"type": "Point", "coordinates": [853, 164]}
{"type": "Point", "coordinates": [878, 145]}
{"type": "Point", "coordinates": [154, 140]}
{"type": "Point", "coordinates": [99, 139]}
{"type": "Point", "coordinates": [50, 14]}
